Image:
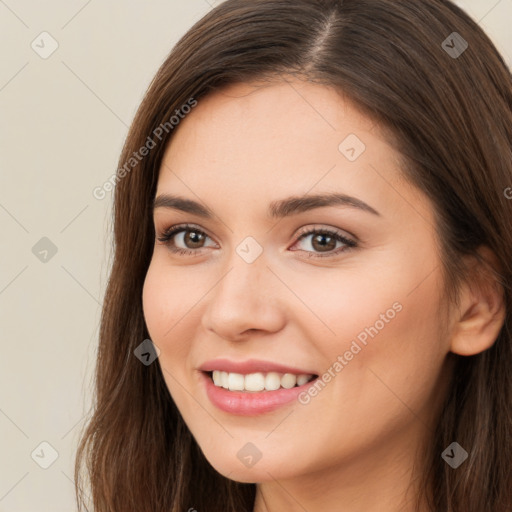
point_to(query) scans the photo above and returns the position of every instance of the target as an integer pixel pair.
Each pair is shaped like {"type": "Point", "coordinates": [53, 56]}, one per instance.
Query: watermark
{"type": "Point", "coordinates": [100, 192]}
{"type": "Point", "coordinates": [351, 147]}
{"type": "Point", "coordinates": [454, 455]}
{"type": "Point", "coordinates": [44, 45]}
{"type": "Point", "coordinates": [44, 454]}
{"type": "Point", "coordinates": [249, 455]}
{"type": "Point", "coordinates": [342, 360]}
{"type": "Point", "coordinates": [44, 249]}
{"type": "Point", "coordinates": [249, 249]}
{"type": "Point", "coordinates": [147, 352]}
{"type": "Point", "coordinates": [454, 45]}
{"type": "Point", "coordinates": [508, 192]}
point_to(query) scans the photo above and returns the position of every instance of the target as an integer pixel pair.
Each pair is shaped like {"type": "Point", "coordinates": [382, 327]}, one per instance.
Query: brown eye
{"type": "Point", "coordinates": [325, 241]}
{"type": "Point", "coordinates": [188, 237]}
{"type": "Point", "coordinates": [193, 239]}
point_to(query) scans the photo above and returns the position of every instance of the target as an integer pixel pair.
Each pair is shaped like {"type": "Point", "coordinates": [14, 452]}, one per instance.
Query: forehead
{"type": "Point", "coordinates": [289, 109]}
{"type": "Point", "coordinates": [278, 139]}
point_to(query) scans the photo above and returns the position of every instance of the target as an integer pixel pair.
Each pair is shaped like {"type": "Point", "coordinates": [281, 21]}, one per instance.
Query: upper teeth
{"type": "Point", "coordinates": [258, 381]}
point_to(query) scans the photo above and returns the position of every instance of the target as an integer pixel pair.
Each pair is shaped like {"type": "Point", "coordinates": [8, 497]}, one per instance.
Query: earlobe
{"type": "Point", "coordinates": [482, 308]}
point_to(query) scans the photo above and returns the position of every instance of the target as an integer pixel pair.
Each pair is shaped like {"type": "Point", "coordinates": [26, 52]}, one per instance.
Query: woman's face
{"type": "Point", "coordinates": [256, 286]}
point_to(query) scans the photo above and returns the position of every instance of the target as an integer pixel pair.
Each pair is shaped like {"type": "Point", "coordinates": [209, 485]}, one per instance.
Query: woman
{"type": "Point", "coordinates": [310, 305]}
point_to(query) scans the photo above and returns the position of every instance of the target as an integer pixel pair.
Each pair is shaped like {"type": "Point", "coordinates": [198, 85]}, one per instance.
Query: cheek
{"type": "Point", "coordinates": [340, 307]}
{"type": "Point", "coordinates": [155, 304]}
{"type": "Point", "coordinates": [168, 309]}
{"type": "Point", "coordinates": [170, 320]}
{"type": "Point", "coordinates": [380, 328]}
{"type": "Point", "coordinates": [168, 300]}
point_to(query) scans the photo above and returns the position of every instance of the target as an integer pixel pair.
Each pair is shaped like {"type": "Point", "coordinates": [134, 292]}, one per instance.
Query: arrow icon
{"type": "Point", "coordinates": [44, 455]}
{"type": "Point", "coordinates": [249, 249]}
{"type": "Point", "coordinates": [454, 45]}
{"type": "Point", "coordinates": [146, 352]}
{"type": "Point", "coordinates": [454, 455]}
{"type": "Point", "coordinates": [249, 455]}
{"type": "Point", "coordinates": [351, 147]}
{"type": "Point", "coordinates": [44, 45]}
{"type": "Point", "coordinates": [44, 250]}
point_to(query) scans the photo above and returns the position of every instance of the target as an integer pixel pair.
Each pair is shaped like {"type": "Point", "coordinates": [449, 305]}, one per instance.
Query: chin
{"type": "Point", "coordinates": [246, 475]}
{"type": "Point", "coordinates": [261, 471]}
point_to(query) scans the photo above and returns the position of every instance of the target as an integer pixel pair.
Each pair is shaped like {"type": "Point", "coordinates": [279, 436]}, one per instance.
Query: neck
{"type": "Point", "coordinates": [384, 479]}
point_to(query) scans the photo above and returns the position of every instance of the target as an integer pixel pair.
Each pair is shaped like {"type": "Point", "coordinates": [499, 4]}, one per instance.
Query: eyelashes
{"type": "Point", "coordinates": [319, 235]}
{"type": "Point", "coordinates": [167, 238]}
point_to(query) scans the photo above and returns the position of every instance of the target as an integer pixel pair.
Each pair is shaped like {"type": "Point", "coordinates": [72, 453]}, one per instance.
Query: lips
{"type": "Point", "coordinates": [234, 398]}
{"type": "Point", "coordinates": [244, 403]}
{"type": "Point", "coordinates": [252, 366]}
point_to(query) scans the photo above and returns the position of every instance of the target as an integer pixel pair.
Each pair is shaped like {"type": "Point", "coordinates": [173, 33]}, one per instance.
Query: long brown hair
{"type": "Point", "coordinates": [450, 117]}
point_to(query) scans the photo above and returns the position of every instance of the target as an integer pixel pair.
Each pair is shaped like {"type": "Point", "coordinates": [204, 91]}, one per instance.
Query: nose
{"type": "Point", "coordinates": [248, 298]}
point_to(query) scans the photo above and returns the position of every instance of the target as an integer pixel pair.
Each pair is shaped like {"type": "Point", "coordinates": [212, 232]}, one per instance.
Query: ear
{"type": "Point", "coordinates": [481, 313]}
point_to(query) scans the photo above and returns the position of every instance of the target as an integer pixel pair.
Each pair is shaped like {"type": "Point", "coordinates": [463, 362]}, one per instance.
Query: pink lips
{"type": "Point", "coordinates": [245, 403]}
{"type": "Point", "coordinates": [250, 366]}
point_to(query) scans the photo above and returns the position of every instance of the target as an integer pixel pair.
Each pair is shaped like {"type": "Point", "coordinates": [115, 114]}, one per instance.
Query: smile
{"type": "Point", "coordinates": [259, 381]}
{"type": "Point", "coordinates": [250, 398]}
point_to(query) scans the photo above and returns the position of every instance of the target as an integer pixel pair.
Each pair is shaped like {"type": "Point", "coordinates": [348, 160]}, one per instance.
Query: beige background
{"type": "Point", "coordinates": [63, 120]}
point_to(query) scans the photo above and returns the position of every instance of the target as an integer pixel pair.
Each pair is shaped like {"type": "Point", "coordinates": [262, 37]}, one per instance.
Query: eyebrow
{"type": "Point", "coordinates": [277, 209]}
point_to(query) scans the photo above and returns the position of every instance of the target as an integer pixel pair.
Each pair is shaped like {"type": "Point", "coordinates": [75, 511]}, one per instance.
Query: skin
{"type": "Point", "coordinates": [353, 446]}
